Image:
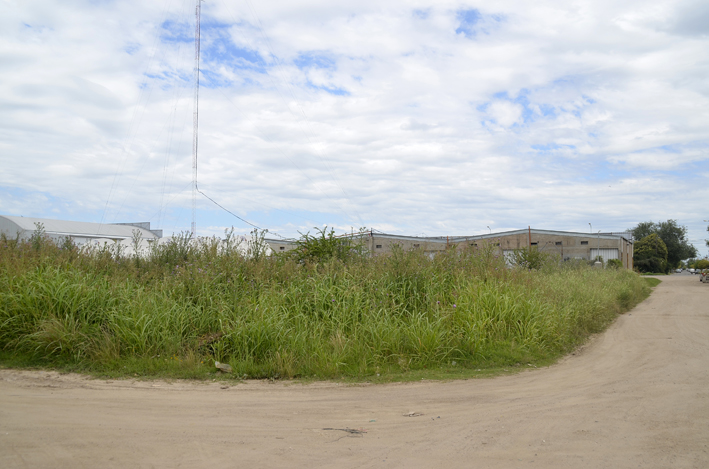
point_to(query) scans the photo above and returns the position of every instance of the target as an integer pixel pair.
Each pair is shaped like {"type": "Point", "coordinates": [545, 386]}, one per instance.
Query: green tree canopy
{"type": "Point", "coordinates": [674, 237]}
{"type": "Point", "coordinates": [650, 254]}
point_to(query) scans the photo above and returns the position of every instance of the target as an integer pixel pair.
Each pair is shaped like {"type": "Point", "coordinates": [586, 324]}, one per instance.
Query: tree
{"type": "Point", "coordinates": [674, 237]}
{"type": "Point", "coordinates": [643, 229]}
{"type": "Point", "coordinates": [650, 254]}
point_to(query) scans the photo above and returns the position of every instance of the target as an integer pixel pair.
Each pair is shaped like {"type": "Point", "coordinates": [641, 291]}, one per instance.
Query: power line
{"type": "Point", "coordinates": [237, 216]}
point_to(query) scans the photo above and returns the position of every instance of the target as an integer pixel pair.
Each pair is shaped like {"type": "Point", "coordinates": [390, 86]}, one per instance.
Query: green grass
{"type": "Point", "coordinates": [652, 282]}
{"type": "Point", "coordinates": [399, 317]}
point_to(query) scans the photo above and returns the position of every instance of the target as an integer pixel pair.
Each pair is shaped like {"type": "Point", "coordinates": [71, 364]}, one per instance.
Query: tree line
{"type": "Point", "coordinates": [661, 247]}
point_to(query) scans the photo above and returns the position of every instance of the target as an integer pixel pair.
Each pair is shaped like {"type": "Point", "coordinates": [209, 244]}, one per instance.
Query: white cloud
{"type": "Point", "coordinates": [505, 113]}
{"type": "Point", "coordinates": [352, 113]}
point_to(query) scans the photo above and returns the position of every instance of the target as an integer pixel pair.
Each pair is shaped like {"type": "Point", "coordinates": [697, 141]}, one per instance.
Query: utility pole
{"type": "Point", "coordinates": [195, 117]}
{"type": "Point", "coordinates": [530, 236]}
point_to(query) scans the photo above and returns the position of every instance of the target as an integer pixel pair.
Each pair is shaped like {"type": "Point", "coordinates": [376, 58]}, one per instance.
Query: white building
{"type": "Point", "coordinates": [79, 232]}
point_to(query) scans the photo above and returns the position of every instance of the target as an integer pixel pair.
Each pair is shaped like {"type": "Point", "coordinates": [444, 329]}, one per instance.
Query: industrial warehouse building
{"type": "Point", "coordinates": [568, 245]}
{"type": "Point", "coordinates": [79, 232]}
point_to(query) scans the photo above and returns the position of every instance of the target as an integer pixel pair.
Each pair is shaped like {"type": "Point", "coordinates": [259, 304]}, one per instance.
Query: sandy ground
{"type": "Point", "coordinates": [635, 396]}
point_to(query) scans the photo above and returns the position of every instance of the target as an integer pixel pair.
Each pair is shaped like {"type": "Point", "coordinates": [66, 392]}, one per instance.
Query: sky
{"type": "Point", "coordinates": [409, 117]}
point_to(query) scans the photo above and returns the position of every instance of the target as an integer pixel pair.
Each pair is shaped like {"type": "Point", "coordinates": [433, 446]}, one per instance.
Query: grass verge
{"type": "Point", "coordinates": [400, 317]}
{"type": "Point", "coordinates": [652, 282]}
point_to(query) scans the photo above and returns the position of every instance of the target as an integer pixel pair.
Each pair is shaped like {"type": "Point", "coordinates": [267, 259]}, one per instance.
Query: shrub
{"type": "Point", "coordinates": [326, 246]}
{"type": "Point", "coordinates": [650, 255]}
{"type": "Point", "coordinates": [533, 258]}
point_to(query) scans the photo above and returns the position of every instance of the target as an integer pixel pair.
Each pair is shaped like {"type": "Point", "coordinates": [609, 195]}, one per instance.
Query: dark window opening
{"type": "Point", "coordinates": [534, 244]}
{"type": "Point", "coordinates": [379, 246]}
{"type": "Point", "coordinates": [558, 243]}
{"type": "Point", "coordinates": [584, 242]}
{"type": "Point", "coordinates": [416, 245]}
{"type": "Point", "coordinates": [282, 248]}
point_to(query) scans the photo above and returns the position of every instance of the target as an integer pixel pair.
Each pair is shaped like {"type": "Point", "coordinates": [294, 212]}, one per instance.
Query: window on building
{"type": "Point", "coordinates": [558, 243]}
{"type": "Point", "coordinates": [416, 245]}
{"type": "Point", "coordinates": [584, 242]}
{"type": "Point", "coordinates": [534, 244]}
{"type": "Point", "coordinates": [379, 246]}
{"type": "Point", "coordinates": [474, 244]}
{"type": "Point", "coordinates": [282, 248]}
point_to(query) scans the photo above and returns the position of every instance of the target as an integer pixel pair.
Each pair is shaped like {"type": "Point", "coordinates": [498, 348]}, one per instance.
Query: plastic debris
{"type": "Point", "coordinates": [223, 367]}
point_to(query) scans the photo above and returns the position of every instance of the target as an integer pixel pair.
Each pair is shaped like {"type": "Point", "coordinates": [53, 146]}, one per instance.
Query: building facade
{"type": "Point", "coordinates": [567, 245]}
{"type": "Point", "coordinates": [80, 233]}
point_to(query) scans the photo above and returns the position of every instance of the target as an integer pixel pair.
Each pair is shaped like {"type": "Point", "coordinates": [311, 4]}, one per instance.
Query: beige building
{"type": "Point", "coordinates": [568, 245]}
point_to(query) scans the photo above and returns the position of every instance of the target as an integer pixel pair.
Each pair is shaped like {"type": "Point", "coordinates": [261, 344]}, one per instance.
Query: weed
{"type": "Point", "coordinates": [190, 302]}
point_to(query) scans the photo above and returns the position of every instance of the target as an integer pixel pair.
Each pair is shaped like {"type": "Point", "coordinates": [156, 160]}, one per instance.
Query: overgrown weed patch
{"type": "Point", "coordinates": [174, 312]}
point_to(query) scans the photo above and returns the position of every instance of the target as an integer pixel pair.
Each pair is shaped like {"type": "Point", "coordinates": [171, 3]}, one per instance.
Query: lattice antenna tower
{"type": "Point", "coordinates": [195, 118]}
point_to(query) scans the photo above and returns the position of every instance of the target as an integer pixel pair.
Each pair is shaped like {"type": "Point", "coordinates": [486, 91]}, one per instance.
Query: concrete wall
{"type": "Point", "coordinates": [280, 245]}
{"type": "Point", "coordinates": [566, 244]}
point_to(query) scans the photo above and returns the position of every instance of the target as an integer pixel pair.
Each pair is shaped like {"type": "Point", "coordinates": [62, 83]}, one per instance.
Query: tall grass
{"type": "Point", "coordinates": [277, 317]}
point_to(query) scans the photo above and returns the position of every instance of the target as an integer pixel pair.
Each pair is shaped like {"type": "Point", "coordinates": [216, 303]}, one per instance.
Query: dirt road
{"type": "Point", "coordinates": [636, 396]}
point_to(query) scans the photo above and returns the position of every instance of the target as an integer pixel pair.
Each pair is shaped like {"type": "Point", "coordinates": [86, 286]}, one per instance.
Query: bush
{"type": "Point", "coordinates": [533, 258]}
{"type": "Point", "coordinates": [326, 246]}
{"type": "Point", "coordinates": [650, 255]}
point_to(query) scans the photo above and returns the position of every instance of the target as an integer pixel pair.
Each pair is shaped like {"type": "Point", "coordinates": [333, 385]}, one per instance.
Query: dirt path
{"type": "Point", "coordinates": [636, 396]}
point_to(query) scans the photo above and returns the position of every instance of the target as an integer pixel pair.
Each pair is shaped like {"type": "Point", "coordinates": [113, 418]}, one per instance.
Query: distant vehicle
{"type": "Point", "coordinates": [679, 271]}
{"type": "Point", "coordinates": [691, 271]}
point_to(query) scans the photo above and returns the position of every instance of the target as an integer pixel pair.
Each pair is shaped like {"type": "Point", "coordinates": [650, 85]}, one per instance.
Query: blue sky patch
{"type": "Point", "coordinates": [547, 110]}
{"type": "Point", "coordinates": [209, 79]}
{"type": "Point", "coordinates": [218, 47]}
{"type": "Point", "coordinates": [314, 60]}
{"type": "Point", "coordinates": [551, 147]}
{"type": "Point", "coordinates": [531, 110]}
{"type": "Point", "coordinates": [468, 19]}
{"type": "Point", "coordinates": [329, 89]}
{"type": "Point", "coordinates": [132, 48]}
{"type": "Point", "coordinates": [174, 32]}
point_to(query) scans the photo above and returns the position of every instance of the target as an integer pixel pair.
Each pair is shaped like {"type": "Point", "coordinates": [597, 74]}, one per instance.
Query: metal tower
{"type": "Point", "coordinates": [195, 118]}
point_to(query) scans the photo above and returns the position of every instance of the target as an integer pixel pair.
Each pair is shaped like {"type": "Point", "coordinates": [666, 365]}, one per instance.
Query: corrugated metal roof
{"type": "Point", "coordinates": [458, 239]}
{"type": "Point", "coordinates": [77, 228]}
{"type": "Point", "coordinates": [543, 232]}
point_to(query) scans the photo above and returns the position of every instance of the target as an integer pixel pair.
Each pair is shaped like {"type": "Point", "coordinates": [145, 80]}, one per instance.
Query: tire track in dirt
{"type": "Point", "coordinates": [635, 396]}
